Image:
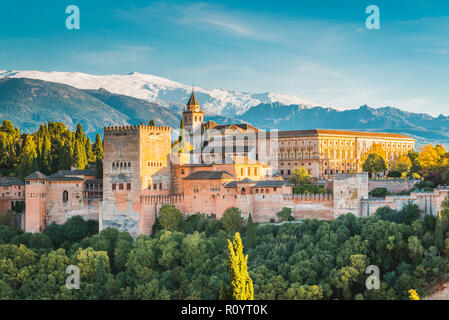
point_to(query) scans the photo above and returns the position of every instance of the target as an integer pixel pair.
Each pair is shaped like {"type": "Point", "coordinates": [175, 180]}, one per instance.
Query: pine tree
{"type": "Point", "coordinates": [251, 232]}
{"type": "Point", "coordinates": [98, 148]}
{"type": "Point", "coordinates": [241, 283]}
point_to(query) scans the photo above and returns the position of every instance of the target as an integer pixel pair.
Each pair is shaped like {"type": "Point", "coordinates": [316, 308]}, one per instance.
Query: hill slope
{"type": "Point", "coordinates": [29, 102]}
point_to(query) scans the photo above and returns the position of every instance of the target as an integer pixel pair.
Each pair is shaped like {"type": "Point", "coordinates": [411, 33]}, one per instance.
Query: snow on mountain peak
{"type": "Point", "coordinates": [162, 90]}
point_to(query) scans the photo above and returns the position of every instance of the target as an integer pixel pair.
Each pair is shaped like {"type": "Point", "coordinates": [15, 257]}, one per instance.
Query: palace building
{"type": "Point", "coordinates": [214, 168]}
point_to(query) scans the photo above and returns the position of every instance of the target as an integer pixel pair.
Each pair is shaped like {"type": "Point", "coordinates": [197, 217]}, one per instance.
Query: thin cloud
{"type": "Point", "coordinates": [204, 16]}
{"type": "Point", "coordinates": [119, 55]}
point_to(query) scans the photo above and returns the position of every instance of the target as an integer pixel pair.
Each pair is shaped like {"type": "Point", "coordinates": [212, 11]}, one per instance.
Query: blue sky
{"type": "Point", "coordinates": [318, 50]}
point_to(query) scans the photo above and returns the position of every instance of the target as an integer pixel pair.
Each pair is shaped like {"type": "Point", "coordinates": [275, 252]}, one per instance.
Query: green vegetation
{"type": "Point", "coordinates": [378, 192]}
{"type": "Point", "coordinates": [190, 259]}
{"type": "Point", "coordinates": [51, 148]}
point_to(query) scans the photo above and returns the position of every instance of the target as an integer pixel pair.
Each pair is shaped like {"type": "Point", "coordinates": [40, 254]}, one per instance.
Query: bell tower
{"type": "Point", "coordinates": [192, 115]}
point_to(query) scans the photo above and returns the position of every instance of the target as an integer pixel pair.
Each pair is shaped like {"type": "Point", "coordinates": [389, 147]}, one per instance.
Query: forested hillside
{"type": "Point", "coordinates": [186, 258]}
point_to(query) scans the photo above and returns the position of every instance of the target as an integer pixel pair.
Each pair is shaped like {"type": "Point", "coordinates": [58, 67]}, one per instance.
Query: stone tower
{"type": "Point", "coordinates": [349, 190]}
{"type": "Point", "coordinates": [136, 161]}
{"type": "Point", "coordinates": [36, 202]}
{"type": "Point", "coordinates": [193, 115]}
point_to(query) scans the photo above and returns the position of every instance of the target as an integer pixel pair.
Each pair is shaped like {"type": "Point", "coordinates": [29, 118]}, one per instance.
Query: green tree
{"type": "Point", "coordinates": [285, 214]}
{"type": "Point", "coordinates": [232, 219]}
{"type": "Point", "coordinates": [170, 217]}
{"type": "Point", "coordinates": [439, 235]}
{"type": "Point", "coordinates": [98, 148]}
{"type": "Point", "coordinates": [100, 279]}
{"type": "Point", "coordinates": [89, 153]}
{"type": "Point", "coordinates": [251, 236]}
{"type": "Point", "coordinates": [28, 158]}
{"type": "Point", "coordinates": [79, 155]}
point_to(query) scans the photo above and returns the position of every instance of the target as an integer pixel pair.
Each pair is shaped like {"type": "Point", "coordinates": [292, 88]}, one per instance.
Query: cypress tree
{"type": "Point", "coordinates": [241, 283]}
{"type": "Point", "coordinates": [89, 152]}
{"type": "Point", "coordinates": [79, 155]}
{"type": "Point", "coordinates": [65, 156]}
{"type": "Point", "coordinates": [439, 234]}
{"type": "Point", "coordinates": [45, 161]}
{"type": "Point", "coordinates": [98, 148]}
{"type": "Point", "coordinates": [28, 158]}
{"type": "Point", "coordinates": [99, 168]}
{"type": "Point", "coordinates": [251, 232]}
{"type": "Point", "coordinates": [100, 280]}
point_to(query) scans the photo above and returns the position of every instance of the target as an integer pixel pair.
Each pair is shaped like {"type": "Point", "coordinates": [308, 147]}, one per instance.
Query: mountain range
{"type": "Point", "coordinates": [99, 101]}
{"type": "Point", "coordinates": [163, 91]}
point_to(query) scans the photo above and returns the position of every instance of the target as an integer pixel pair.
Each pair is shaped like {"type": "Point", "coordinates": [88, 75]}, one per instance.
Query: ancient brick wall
{"type": "Point", "coordinates": [392, 185]}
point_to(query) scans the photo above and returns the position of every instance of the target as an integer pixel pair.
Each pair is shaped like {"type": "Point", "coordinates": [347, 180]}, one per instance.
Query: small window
{"type": "Point", "coordinates": [128, 186]}
{"type": "Point", "coordinates": [155, 186]}
{"type": "Point", "coordinates": [160, 186]}
{"type": "Point", "coordinates": [114, 187]}
{"type": "Point", "coordinates": [120, 186]}
{"type": "Point", "coordinates": [65, 196]}
{"type": "Point", "coordinates": [129, 164]}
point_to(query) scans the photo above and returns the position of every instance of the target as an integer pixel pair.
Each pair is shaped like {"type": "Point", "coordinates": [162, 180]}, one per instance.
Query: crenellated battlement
{"type": "Point", "coordinates": [126, 130]}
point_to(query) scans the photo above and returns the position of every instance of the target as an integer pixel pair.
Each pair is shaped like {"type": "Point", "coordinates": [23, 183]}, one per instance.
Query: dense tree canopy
{"type": "Point", "coordinates": [188, 260]}
{"type": "Point", "coordinates": [51, 148]}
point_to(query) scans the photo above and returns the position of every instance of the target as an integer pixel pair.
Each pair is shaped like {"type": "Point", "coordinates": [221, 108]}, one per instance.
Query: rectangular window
{"type": "Point", "coordinates": [255, 171]}
{"type": "Point", "coordinates": [160, 186]}
{"type": "Point", "coordinates": [114, 186]}
{"type": "Point", "coordinates": [128, 186]}
{"type": "Point", "coordinates": [155, 186]}
{"type": "Point", "coordinates": [120, 186]}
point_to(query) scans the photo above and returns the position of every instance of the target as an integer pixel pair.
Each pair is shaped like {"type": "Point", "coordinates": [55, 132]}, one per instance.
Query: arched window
{"type": "Point", "coordinates": [65, 196]}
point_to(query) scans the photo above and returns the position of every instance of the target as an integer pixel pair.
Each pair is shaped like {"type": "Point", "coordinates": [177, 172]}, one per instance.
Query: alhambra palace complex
{"type": "Point", "coordinates": [214, 168]}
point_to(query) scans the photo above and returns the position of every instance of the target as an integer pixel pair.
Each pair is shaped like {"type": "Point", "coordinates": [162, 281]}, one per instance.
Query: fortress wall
{"type": "Point", "coordinates": [392, 185]}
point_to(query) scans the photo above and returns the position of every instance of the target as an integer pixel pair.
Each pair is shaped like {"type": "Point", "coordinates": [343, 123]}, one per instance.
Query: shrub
{"type": "Point", "coordinates": [379, 192]}
{"type": "Point", "coordinates": [285, 214]}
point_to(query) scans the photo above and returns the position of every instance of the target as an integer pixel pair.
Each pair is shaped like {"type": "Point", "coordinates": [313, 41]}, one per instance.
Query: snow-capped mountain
{"type": "Point", "coordinates": [164, 91]}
